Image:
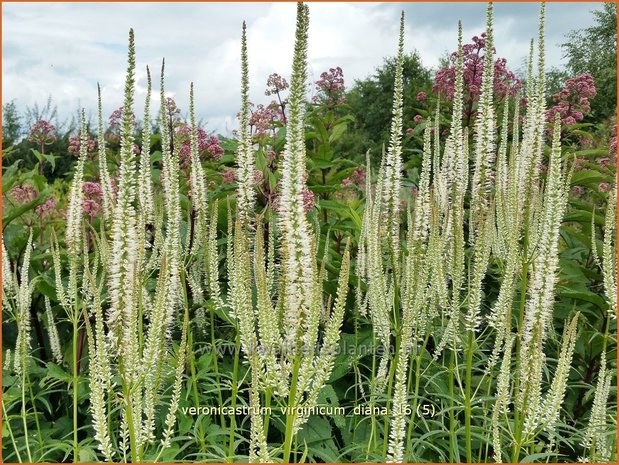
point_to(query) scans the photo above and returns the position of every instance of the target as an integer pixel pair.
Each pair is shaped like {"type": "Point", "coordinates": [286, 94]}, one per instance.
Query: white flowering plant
{"type": "Point", "coordinates": [268, 299]}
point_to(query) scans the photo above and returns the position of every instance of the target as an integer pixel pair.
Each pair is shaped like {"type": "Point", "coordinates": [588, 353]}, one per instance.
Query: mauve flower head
{"type": "Point", "coordinates": [603, 187]}
{"type": "Point", "coordinates": [42, 133]}
{"type": "Point", "coordinates": [208, 146]}
{"type": "Point", "coordinates": [330, 87]}
{"type": "Point", "coordinates": [308, 200]}
{"type": "Point", "coordinates": [265, 118]}
{"type": "Point", "coordinates": [409, 131]}
{"type": "Point", "coordinates": [271, 155]}
{"type": "Point", "coordinates": [173, 110]}
{"type": "Point", "coordinates": [605, 162]}
{"type": "Point", "coordinates": [347, 182]}
{"type": "Point", "coordinates": [577, 191]}
{"type": "Point", "coordinates": [275, 84]}
{"type": "Point", "coordinates": [258, 177]}
{"type": "Point", "coordinates": [358, 176]}
{"type": "Point", "coordinates": [46, 208]}
{"type": "Point", "coordinates": [613, 141]}
{"type": "Point", "coordinates": [91, 208]}
{"type": "Point", "coordinates": [93, 198]}
{"type": "Point", "coordinates": [228, 175]}
{"type": "Point", "coordinates": [116, 119]}
{"type": "Point", "coordinates": [74, 146]}
{"type": "Point", "coordinates": [572, 102]}
{"type": "Point", "coordinates": [24, 194]}
{"type": "Point", "coordinates": [418, 119]}
{"type": "Point", "coordinates": [585, 142]}
{"type": "Point", "coordinates": [421, 96]}
{"type": "Point", "coordinates": [505, 82]}
{"type": "Point", "coordinates": [214, 149]}
{"type": "Point", "coordinates": [92, 190]}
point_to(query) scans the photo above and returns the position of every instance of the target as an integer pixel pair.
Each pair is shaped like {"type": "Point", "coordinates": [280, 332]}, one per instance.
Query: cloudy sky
{"type": "Point", "coordinates": [64, 49]}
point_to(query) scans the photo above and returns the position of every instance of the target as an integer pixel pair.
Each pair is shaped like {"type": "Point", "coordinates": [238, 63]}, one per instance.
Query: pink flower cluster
{"type": "Point", "coordinates": [74, 145]}
{"type": "Point", "coordinates": [357, 178]}
{"type": "Point", "coordinates": [115, 123]}
{"type": "Point", "coordinates": [331, 87]}
{"type": "Point", "coordinates": [228, 175]}
{"type": "Point", "coordinates": [421, 97]}
{"type": "Point", "coordinates": [265, 118]}
{"type": "Point", "coordinates": [572, 103]}
{"type": "Point", "coordinates": [93, 198]}
{"type": "Point", "coordinates": [24, 194]}
{"type": "Point", "coordinates": [613, 141]}
{"type": "Point", "coordinates": [505, 82]}
{"type": "Point", "coordinates": [275, 84]}
{"type": "Point", "coordinates": [42, 133]}
{"type": "Point", "coordinates": [117, 116]}
{"type": "Point", "coordinates": [46, 208]}
{"type": "Point", "coordinates": [207, 145]}
{"type": "Point", "coordinates": [308, 200]}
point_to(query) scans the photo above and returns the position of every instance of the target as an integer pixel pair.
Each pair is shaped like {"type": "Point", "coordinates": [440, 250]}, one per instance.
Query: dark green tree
{"type": "Point", "coordinates": [593, 50]}
{"type": "Point", "coordinates": [11, 125]}
{"type": "Point", "coordinates": [370, 103]}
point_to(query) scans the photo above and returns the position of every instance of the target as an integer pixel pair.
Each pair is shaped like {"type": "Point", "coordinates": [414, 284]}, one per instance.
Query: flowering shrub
{"type": "Point", "coordinates": [42, 133]}
{"type": "Point", "coordinates": [572, 102]}
{"type": "Point", "coordinates": [505, 82]}
{"type": "Point", "coordinates": [74, 146]}
{"type": "Point", "coordinates": [330, 87]}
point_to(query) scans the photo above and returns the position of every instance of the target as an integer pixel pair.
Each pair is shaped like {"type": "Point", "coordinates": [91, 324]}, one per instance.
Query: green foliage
{"type": "Point", "coordinates": [593, 50]}
{"type": "Point", "coordinates": [370, 104]}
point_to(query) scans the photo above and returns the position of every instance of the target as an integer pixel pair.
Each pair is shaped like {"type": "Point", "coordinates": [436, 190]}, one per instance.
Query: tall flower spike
{"type": "Point", "coordinates": [104, 175]}
{"type": "Point", "coordinates": [172, 243]}
{"type": "Point", "coordinates": [54, 340]}
{"type": "Point", "coordinates": [145, 186]}
{"type": "Point", "coordinates": [538, 310]}
{"type": "Point", "coordinates": [24, 294]}
{"type": "Point", "coordinates": [554, 399]}
{"type": "Point", "coordinates": [245, 154]}
{"type": "Point", "coordinates": [76, 196]}
{"type": "Point", "coordinates": [393, 164]}
{"type": "Point", "coordinates": [609, 257]}
{"type": "Point", "coordinates": [198, 181]}
{"type": "Point", "coordinates": [295, 230]}
{"type": "Point", "coordinates": [7, 276]}
{"type": "Point", "coordinates": [123, 293]}
{"type": "Point", "coordinates": [483, 177]}
{"type": "Point", "coordinates": [596, 438]}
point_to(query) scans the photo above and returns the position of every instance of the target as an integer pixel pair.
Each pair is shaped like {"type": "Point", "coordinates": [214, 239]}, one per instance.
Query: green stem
{"type": "Point", "coordinates": [291, 410]}
{"type": "Point", "coordinates": [517, 420]}
{"type": "Point", "coordinates": [452, 419]}
{"type": "Point", "coordinates": [216, 364]}
{"type": "Point", "coordinates": [75, 382]}
{"type": "Point", "coordinates": [234, 395]}
{"type": "Point", "coordinates": [8, 426]}
{"type": "Point", "coordinates": [36, 415]}
{"type": "Point", "coordinates": [132, 442]}
{"type": "Point", "coordinates": [194, 385]}
{"type": "Point", "coordinates": [392, 372]}
{"type": "Point", "coordinates": [467, 397]}
{"type": "Point", "coordinates": [23, 408]}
